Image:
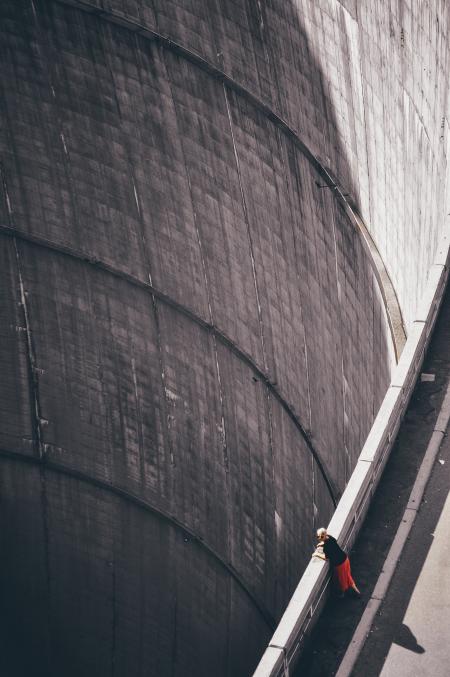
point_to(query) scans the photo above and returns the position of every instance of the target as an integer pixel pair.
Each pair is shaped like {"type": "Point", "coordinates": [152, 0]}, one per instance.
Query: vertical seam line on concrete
{"type": "Point", "coordinates": [155, 310]}
{"type": "Point", "coordinates": [297, 183]}
{"type": "Point", "coordinates": [47, 76]}
{"type": "Point", "coordinates": [247, 223]}
{"type": "Point", "coordinates": [299, 291]}
{"type": "Point", "coordinates": [229, 590]}
{"type": "Point", "coordinates": [268, 52]}
{"type": "Point", "coordinates": [167, 424]}
{"type": "Point", "coordinates": [223, 435]}
{"type": "Point", "coordinates": [139, 413]}
{"type": "Point", "coordinates": [364, 96]}
{"type": "Point", "coordinates": [341, 324]}
{"type": "Point", "coordinates": [272, 521]}
{"type": "Point", "coordinates": [141, 230]}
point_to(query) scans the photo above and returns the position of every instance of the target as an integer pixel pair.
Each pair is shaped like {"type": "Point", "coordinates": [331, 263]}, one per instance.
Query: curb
{"type": "Point", "coordinates": [310, 595]}
{"type": "Point", "coordinates": [381, 587]}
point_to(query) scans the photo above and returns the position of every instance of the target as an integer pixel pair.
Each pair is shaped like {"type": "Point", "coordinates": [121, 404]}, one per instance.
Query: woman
{"type": "Point", "coordinates": [328, 549]}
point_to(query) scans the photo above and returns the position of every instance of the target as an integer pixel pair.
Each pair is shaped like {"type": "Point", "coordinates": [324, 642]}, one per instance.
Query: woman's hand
{"type": "Point", "coordinates": [318, 553]}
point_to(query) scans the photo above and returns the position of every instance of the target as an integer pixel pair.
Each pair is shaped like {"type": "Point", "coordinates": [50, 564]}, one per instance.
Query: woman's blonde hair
{"type": "Point", "coordinates": [321, 533]}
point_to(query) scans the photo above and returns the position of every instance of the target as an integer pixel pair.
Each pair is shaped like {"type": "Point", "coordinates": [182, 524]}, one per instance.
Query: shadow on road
{"type": "Point", "coordinates": [405, 638]}
{"type": "Point", "coordinates": [339, 619]}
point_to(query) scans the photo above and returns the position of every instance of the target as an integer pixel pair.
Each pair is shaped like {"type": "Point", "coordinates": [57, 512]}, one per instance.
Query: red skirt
{"type": "Point", "coordinates": [343, 576]}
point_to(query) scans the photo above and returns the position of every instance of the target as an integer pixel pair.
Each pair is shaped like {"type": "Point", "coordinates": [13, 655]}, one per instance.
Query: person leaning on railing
{"type": "Point", "coordinates": [328, 549]}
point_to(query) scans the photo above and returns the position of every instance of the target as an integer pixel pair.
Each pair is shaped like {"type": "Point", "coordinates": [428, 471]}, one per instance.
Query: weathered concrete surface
{"type": "Point", "coordinates": [192, 322]}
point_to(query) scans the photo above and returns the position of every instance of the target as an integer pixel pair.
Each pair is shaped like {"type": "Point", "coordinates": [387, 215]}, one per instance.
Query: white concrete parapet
{"type": "Point", "coordinates": [310, 594]}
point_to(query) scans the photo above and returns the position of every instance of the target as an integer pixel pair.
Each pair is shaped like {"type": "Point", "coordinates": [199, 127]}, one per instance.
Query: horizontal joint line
{"type": "Point", "coordinates": [126, 495]}
{"type": "Point", "coordinates": [163, 298]}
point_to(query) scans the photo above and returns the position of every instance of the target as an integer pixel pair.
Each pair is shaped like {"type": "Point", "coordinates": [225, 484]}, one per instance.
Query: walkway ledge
{"type": "Point", "coordinates": [310, 595]}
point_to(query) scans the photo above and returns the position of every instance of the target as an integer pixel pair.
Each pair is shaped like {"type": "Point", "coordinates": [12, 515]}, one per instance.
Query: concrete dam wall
{"type": "Point", "coordinates": [194, 340]}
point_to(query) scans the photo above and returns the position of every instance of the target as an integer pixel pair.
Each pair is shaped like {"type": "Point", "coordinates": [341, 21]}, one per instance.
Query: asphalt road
{"type": "Point", "coordinates": [410, 632]}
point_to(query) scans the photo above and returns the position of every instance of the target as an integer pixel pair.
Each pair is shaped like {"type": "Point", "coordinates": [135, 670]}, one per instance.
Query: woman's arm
{"type": "Point", "coordinates": [318, 552]}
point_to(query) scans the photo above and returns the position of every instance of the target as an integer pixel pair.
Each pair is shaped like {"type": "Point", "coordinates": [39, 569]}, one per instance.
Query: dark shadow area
{"type": "Point", "coordinates": [339, 619]}
{"type": "Point", "coordinates": [389, 627]}
{"type": "Point", "coordinates": [131, 156]}
{"type": "Point", "coordinates": [405, 638]}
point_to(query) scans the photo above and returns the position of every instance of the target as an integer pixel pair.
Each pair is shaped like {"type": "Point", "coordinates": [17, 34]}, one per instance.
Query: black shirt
{"type": "Point", "coordinates": [333, 552]}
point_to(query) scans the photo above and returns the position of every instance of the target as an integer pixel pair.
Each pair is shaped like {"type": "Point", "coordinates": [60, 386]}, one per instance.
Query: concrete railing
{"type": "Point", "coordinates": [310, 595]}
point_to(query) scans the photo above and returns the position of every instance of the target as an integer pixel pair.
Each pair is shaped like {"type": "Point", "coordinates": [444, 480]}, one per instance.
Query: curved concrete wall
{"type": "Point", "coordinates": [195, 344]}
{"type": "Point", "coordinates": [387, 79]}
